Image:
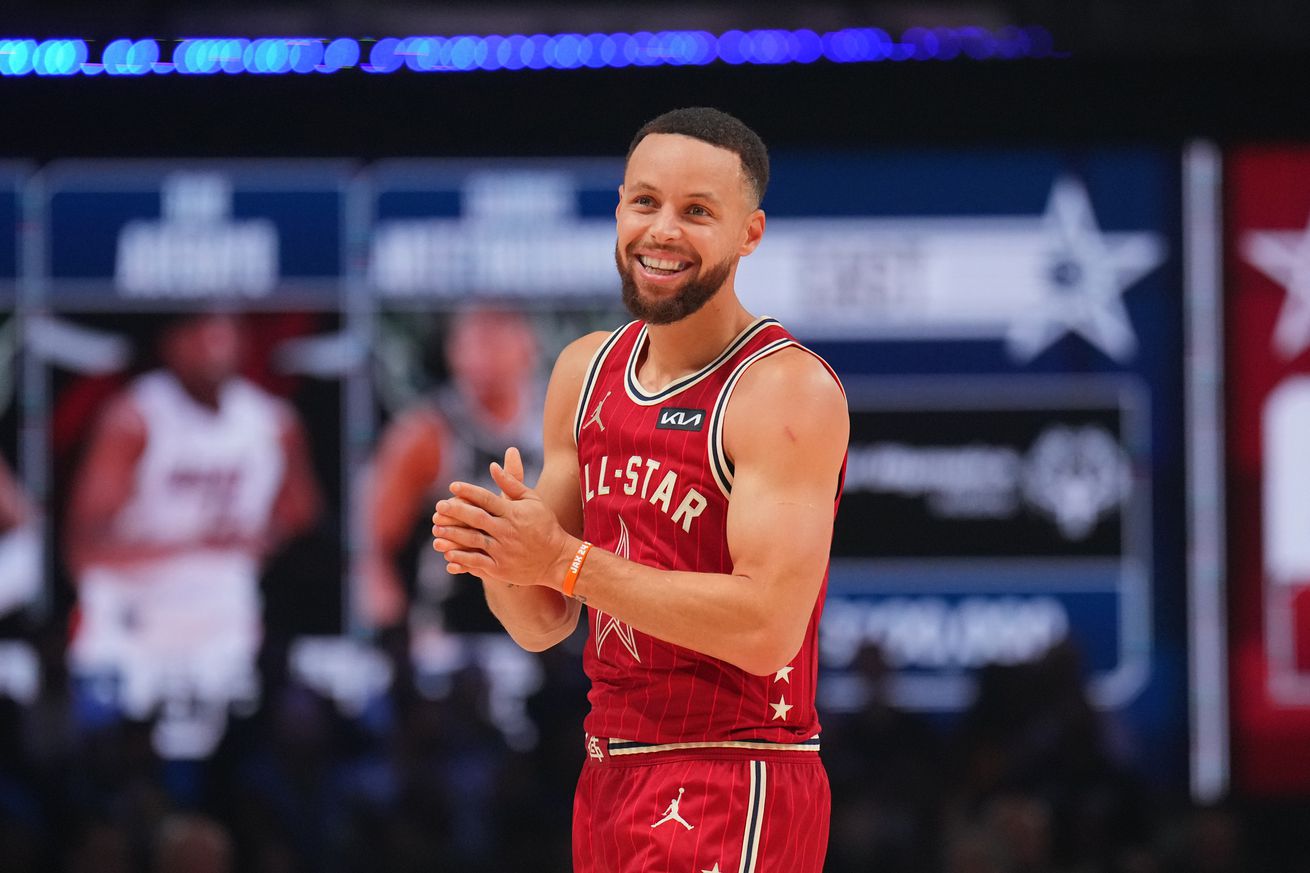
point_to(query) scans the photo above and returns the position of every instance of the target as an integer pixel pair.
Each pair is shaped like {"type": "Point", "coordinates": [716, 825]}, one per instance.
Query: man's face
{"type": "Point", "coordinates": [491, 351]}
{"type": "Point", "coordinates": [204, 351]}
{"type": "Point", "coordinates": [685, 217]}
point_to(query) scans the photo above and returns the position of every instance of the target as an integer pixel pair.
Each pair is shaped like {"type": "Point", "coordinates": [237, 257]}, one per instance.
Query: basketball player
{"type": "Point", "coordinates": [494, 399]}
{"type": "Point", "coordinates": [192, 476]}
{"type": "Point", "coordinates": [693, 463]}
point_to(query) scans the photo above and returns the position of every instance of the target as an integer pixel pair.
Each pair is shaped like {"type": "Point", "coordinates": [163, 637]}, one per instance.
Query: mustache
{"type": "Point", "coordinates": [658, 251]}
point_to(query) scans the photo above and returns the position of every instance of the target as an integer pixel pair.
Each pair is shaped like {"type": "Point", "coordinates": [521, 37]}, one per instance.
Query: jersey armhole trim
{"type": "Point", "coordinates": [720, 466]}
{"type": "Point", "coordinates": [589, 382]}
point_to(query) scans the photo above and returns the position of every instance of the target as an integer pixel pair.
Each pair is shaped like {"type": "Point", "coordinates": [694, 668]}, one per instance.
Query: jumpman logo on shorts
{"type": "Point", "coordinates": [595, 416]}
{"type": "Point", "coordinates": [671, 814]}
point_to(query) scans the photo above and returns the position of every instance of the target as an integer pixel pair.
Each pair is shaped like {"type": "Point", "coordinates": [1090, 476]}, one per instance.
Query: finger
{"type": "Point", "coordinates": [493, 504]}
{"type": "Point", "coordinates": [460, 537]}
{"type": "Point", "coordinates": [514, 463]}
{"type": "Point", "coordinates": [514, 488]}
{"type": "Point", "coordinates": [463, 514]}
{"type": "Point", "coordinates": [472, 561]}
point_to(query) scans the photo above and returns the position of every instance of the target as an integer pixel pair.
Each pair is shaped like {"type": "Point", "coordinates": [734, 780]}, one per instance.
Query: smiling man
{"type": "Point", "coordinates": [693, 463]}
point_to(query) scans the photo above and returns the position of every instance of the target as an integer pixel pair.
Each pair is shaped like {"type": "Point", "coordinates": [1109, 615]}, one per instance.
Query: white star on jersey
{"type": "Point", "coordinates": [608, 624]}
{"type": "Point", "coordinates": [714, 869]}
{"type": "Point", "coordinates": [781, 708]}
{"type": "Point", "coordinates": [1284, 256]}
{"type": "Point", "coordinates": [784, 675]}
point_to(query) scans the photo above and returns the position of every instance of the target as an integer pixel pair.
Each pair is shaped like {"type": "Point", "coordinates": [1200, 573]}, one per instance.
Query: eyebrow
{"type": "Point", "coordinates": [695, 195]}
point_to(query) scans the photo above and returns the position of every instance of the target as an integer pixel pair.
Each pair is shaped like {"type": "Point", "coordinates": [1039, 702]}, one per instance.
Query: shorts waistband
{"type": "Point", "coordinates": [602, 749]}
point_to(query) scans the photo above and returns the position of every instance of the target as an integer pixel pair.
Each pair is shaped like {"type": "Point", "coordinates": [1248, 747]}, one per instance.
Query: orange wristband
{"type": "Point", "coordinates": [575, 567]}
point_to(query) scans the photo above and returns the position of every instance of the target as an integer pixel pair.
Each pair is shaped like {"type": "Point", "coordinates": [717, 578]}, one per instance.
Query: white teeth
{"type": "Point", "coordinates": [661, 264]}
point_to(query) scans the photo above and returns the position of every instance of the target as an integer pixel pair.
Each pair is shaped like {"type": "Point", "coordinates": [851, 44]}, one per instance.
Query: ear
{"type": "Point", "coordinates": [754, 233]}
{"type": "Point", "coordinates": [619, 205]}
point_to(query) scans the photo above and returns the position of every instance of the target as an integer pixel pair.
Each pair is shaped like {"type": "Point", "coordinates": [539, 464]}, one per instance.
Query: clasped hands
{"type": "Point", "coordinates": [511, 537]}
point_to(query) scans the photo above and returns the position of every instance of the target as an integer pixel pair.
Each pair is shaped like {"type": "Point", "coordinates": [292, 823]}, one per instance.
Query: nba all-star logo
{"type": "Point", "coordinates": [607, 625]}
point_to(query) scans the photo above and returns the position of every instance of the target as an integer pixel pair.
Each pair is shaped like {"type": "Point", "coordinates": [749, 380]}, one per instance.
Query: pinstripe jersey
{"type": "Point", "coordinates": [655, 486]}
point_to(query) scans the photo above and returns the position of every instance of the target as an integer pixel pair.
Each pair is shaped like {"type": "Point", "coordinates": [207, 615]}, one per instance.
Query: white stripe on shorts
{"type": "Point", "coordinates": [750, 845]}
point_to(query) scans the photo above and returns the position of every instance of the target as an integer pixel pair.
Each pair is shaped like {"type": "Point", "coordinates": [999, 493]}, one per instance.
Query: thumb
{"type": "Point", "coordinates": [511, 487]}
{"type": "Point", "coordinates": [514, 463]}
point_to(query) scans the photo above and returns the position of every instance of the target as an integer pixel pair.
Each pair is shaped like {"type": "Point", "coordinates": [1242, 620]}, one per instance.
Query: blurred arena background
{"type": "Point", "coordinates": [1057, 250]}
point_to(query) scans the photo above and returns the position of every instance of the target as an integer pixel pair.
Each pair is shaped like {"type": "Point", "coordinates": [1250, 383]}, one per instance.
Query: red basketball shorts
{"type": "Point", "coordinates": [675, 813]}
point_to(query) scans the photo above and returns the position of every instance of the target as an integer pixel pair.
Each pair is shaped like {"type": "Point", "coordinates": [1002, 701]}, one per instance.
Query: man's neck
{"type": "Point", "coordinates": [685, 346]}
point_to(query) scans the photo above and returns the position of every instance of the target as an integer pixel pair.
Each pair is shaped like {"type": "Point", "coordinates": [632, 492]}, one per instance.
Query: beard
{"type": "Point", "coordinates": [694, 293]}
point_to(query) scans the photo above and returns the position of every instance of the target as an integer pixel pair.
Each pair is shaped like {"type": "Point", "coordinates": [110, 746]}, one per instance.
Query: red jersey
{"type": "Point", "coordinates": [655, 485]}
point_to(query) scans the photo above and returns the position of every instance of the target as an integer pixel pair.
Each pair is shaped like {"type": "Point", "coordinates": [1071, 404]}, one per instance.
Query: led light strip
{"type": "Point", "coordinates": [564, 51]}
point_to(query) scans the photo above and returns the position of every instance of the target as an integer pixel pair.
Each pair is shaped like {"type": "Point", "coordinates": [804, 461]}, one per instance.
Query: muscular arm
{"type": "Point", "coordinates": [786, 431]}
{"type": "Point", "coordinates": [102, 485]}
{"type": "Point", "coordinates": [537, 617]}
{"type": "Point", "coordinates": [299, 500]}
{"type": "Point", "coordinates": [13, 507]}
{"type": "Point", "coordinates": [407, 462]}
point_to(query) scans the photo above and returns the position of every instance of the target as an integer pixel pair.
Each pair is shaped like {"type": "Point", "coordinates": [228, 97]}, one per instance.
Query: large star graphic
{"type": "Point", "coordinates": [1284, 256]}
{"type": "Point", "coordinates": [784, 675]}
{"type": "Point", "coordinates": [607, 624]}
{"type": "Point", "coordinates": [1087, 273]}
{"type": "Point", "coordinates": [781, 708]}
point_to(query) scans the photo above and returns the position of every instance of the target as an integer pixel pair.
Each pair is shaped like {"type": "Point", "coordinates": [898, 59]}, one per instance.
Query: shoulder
{"type": "Point", "coordinates": [256, 400]}
{"type": "Point", "coordinates": [789, 396]}
{"type": "Point", "coordinates": [122, 416]}
{"type": "Point", "coordinates": [792, 375]}
{"type": "Point", "coordinates": [572, 364]}
{"type": "Point", "coordinates": [417, 426]}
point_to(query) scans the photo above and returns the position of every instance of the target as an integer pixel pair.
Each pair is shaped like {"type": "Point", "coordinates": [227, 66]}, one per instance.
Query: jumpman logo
{"type": "Point", "coordinates": [595, 416]}
{"type": "Point", "coordinates": [671, 814]}
{"type": "Point", "coordinates": [608, 624]}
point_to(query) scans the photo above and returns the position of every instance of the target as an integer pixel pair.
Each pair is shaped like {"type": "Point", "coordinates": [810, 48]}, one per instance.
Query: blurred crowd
{"type": "Point", "coordinates": [1024, 781]}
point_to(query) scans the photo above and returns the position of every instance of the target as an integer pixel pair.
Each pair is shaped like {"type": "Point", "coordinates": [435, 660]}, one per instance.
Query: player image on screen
{"type": "Point", "coordinates": [191, 478]}
{"type": "Point", "coordinates": [693, 461]}
{"type": "Point", "coordinates": [19, 554]}
{"type": "Point", "coordinates": [493, 398]}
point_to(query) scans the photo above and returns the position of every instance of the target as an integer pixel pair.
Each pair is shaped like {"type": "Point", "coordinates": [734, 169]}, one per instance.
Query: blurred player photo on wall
{"type": "Point", "coordinates": [20, 575]}
{"type": "Point", "coordinates": [453, 385]}
{"type": "Point", "coordinates": [190, 510]}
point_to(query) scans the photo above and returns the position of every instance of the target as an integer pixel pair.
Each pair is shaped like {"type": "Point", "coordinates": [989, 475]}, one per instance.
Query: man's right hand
{"type": "Point", "coordinates": [514, 467]}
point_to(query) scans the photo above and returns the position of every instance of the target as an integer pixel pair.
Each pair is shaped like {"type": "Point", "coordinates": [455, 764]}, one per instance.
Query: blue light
{"type": "Point", "coordinates": [730, 47]}
{"type": "Point", "coordinates": [489, 54]}
{"type": "Point", "coordinates": [1014, 43]}
{"type": "Point", "coordinates": [643, 49]}
{"type": "Point", "coordinates": [809, 46]}
{"type": "Point", "coordinates": [770, 47]}
{"type": "Point", "coordinates": [16, 56]}
{"type": "Point", "coordinates": [339, 54]}
{"type": "Point", "coordinates": [921, 43]}
{"type": "Point", "coordinates": [463, 53]}
{"type": "Point", "coordinates": [536, 51]}
{"type": "Point", "coordinates": [564, 51]}
{"type": "Point", "coordinates": [509, 53]}
{"type": "Point", "coordinates": [978, 43]}
{"type": "Point", "coordinates": [948, 43]}
{"type": "Point", "coordinates": [59, 57]}
{"type": "Point", "coordinates": [142, 57]}
{"type": "Point", "coordinates": [382, 58]}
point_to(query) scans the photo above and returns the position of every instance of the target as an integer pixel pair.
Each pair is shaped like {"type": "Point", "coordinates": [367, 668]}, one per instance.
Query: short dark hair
{"type": "Point", "coordinates": [717, 128]}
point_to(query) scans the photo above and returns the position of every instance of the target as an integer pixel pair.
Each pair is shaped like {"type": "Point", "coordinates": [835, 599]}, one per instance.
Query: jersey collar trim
{"type": "Point", "coordinates": [639, 396]}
